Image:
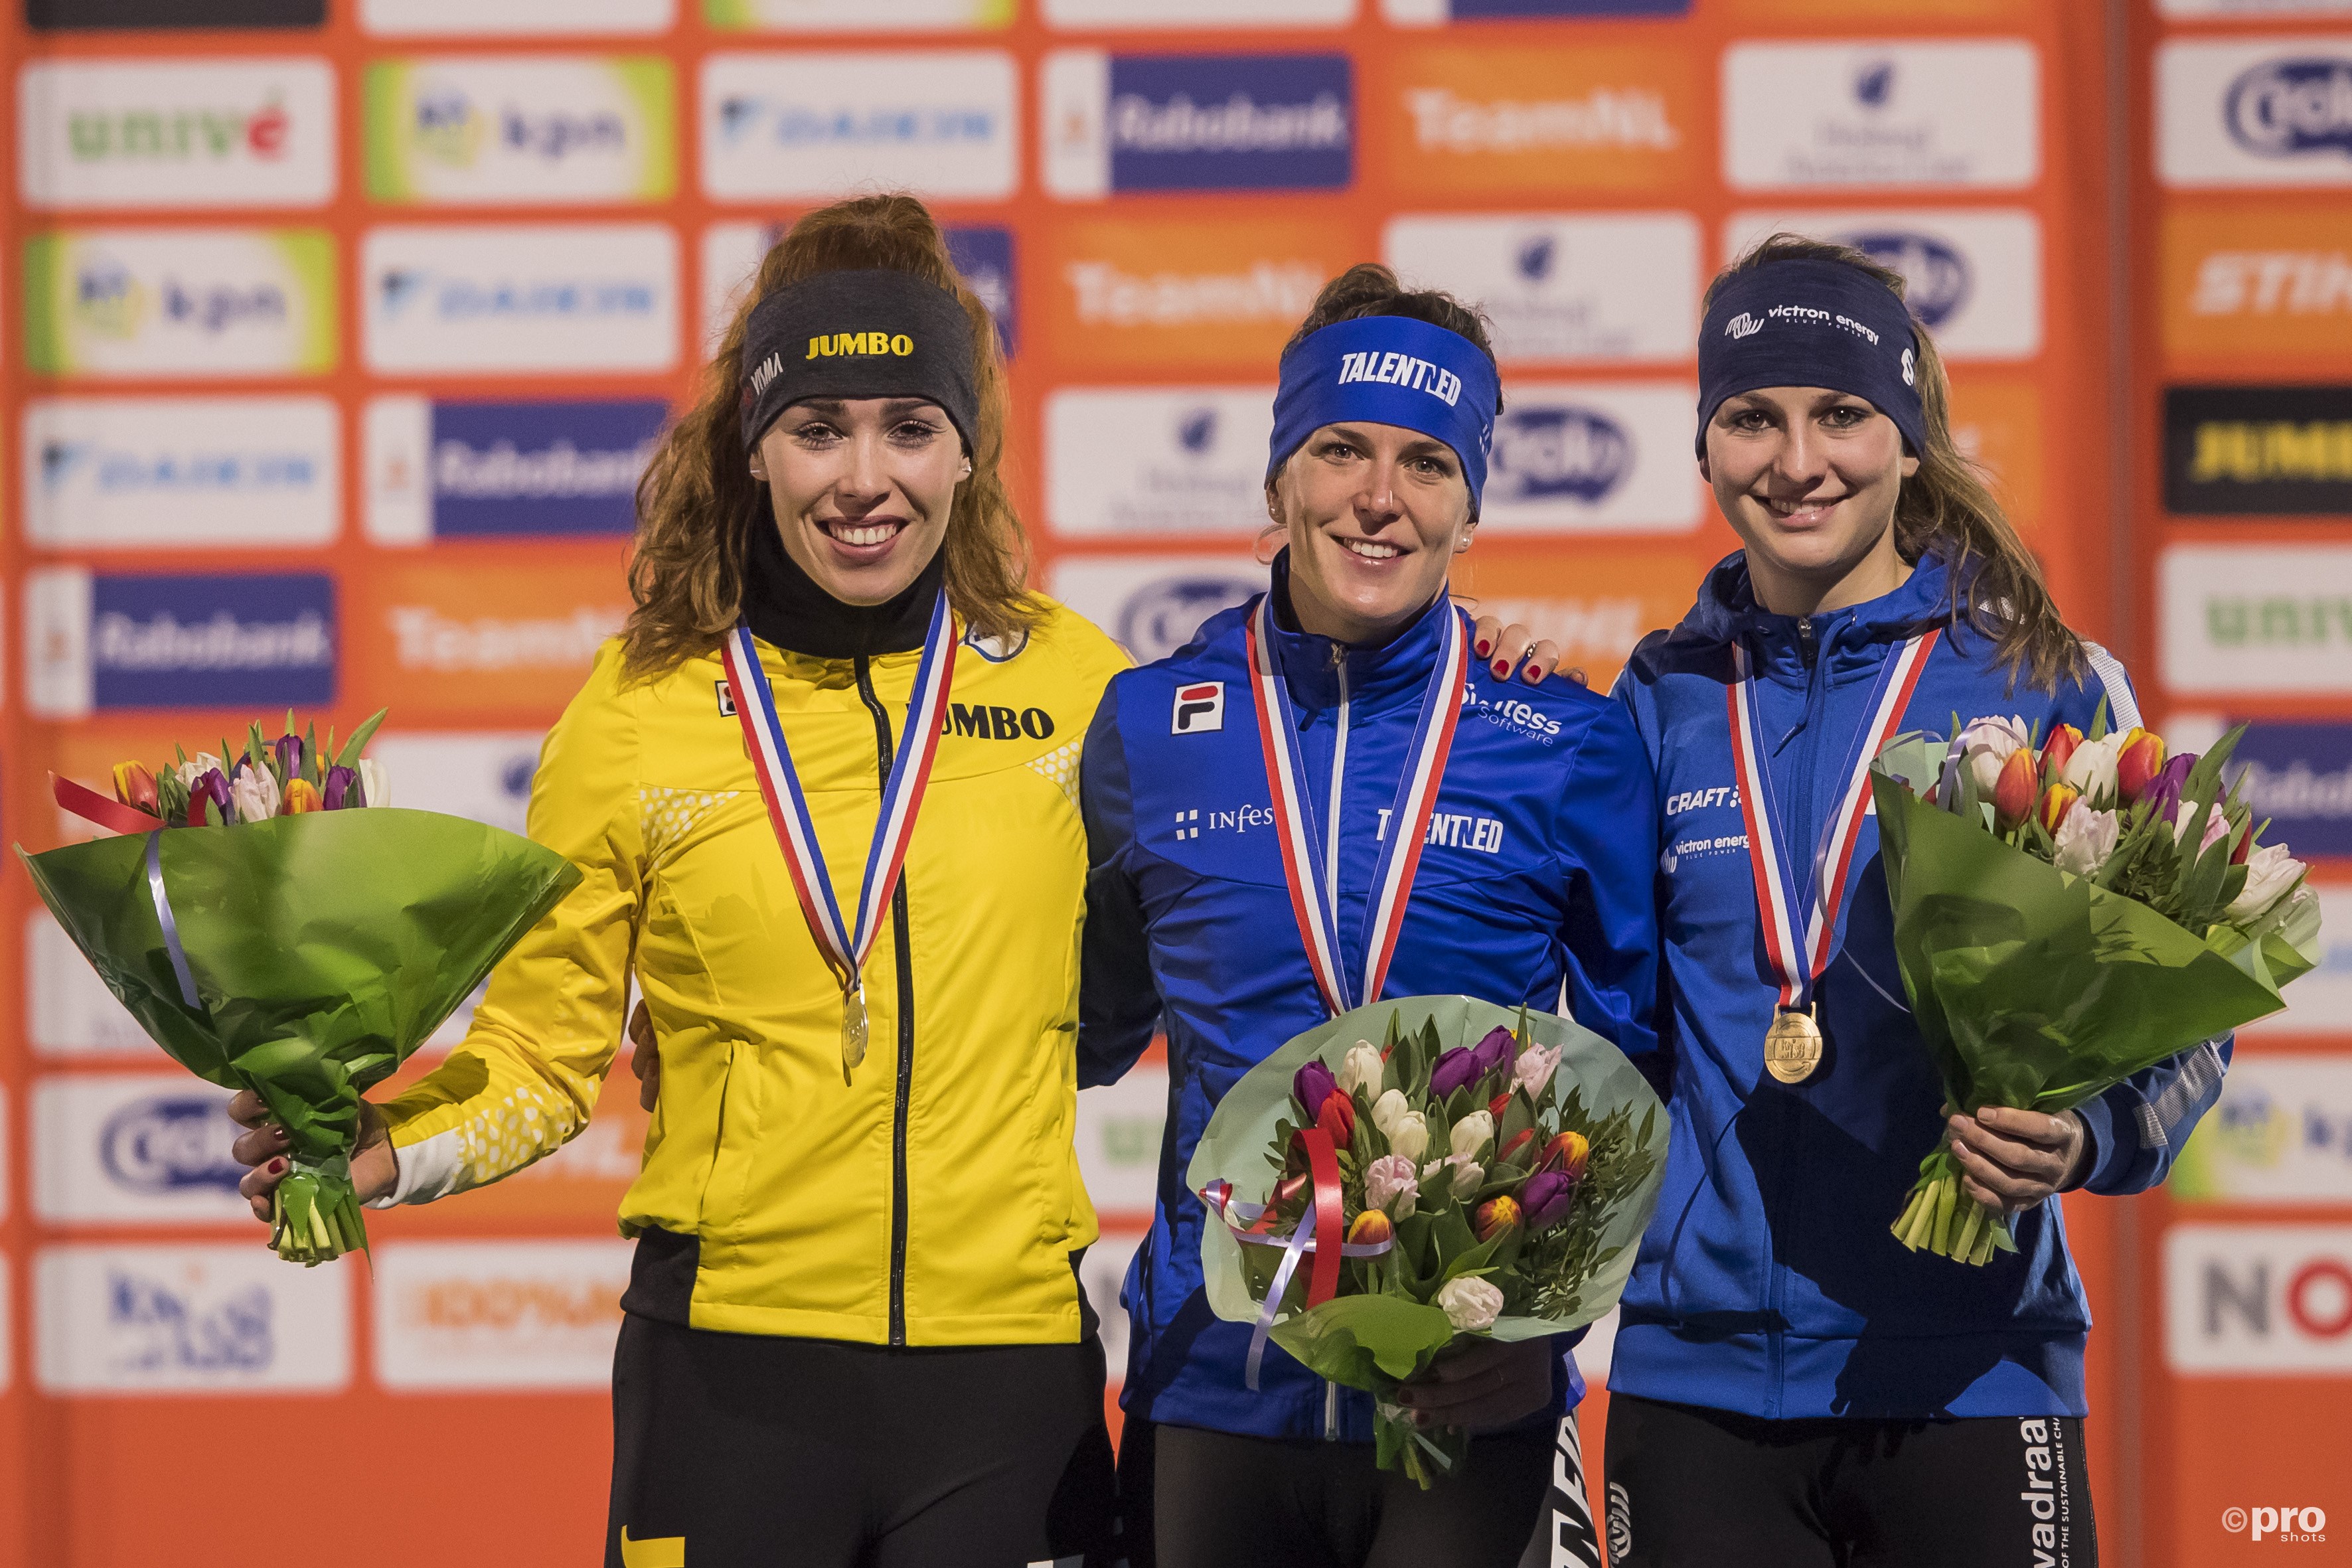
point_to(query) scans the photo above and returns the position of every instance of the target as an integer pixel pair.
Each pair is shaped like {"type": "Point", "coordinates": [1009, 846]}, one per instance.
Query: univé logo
{"type": "Point", "coordinates": [1564, 450]}
{"type": "Point", "coordinates": [2285, 108]}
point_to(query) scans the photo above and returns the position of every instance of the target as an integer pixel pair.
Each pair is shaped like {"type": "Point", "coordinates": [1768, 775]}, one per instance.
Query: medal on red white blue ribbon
{"type": "Point", "coordinates": [843, 946]}
{"type": "Point", "coordinates": [1314, 886]}
{"type": "Point", "coordinates": [1800, 918]}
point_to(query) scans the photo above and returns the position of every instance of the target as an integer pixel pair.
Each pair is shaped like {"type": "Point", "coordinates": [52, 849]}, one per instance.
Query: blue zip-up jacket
{"type": "Point", "coordinates": [1537, 869]}
{"type": "Point", "coordinates": [1768, 1283]}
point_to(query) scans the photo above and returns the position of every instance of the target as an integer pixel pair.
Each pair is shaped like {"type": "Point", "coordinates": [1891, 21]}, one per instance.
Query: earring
{"type": "Point", "coordinates": [1462, 545]}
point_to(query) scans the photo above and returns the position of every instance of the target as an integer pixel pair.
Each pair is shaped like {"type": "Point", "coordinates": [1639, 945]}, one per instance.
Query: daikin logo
{"type": "Point", "coordinates": [1562, 451]}
{"type": "Point", "coordinates": [1937, 278]}
{"type": "Point", "coordinates": [2284, 109]}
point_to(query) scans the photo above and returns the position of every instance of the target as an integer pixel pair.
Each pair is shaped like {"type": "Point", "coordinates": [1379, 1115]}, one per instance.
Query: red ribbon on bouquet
{"type": "Point", "coordinates": [103, 809]}
{"type": "Point", "coordinates": [1248, 1221]}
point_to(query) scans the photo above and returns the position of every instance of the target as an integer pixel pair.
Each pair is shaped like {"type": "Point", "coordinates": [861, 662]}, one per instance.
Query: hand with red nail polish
{"type": "Point", "coordinates": [264, 1145]}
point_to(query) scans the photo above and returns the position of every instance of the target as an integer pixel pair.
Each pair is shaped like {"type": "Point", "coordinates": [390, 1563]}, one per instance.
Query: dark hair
{"type": "Point", "coordinates": [1996, 585]}
{"type": "Point", "coordinates": [1368, 288]}
{"type": "Point", "coordinates": [697, 499]}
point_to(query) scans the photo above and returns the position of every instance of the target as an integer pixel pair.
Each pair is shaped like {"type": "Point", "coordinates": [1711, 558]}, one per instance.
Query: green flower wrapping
{"type": "Point", "coordinates": [324, 948]}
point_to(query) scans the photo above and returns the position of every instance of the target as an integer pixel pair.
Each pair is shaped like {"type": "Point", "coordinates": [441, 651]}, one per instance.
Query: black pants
{"type": "Point", "coordinates": [1212, 1499]}
{"type": "Point", "coordinates": [1691, 1488]}
{"type": "Point", "coordinates": [730, 1450]}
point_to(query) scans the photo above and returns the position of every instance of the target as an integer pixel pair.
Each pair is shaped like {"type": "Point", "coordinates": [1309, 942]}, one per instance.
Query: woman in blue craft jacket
{"type": "Point", "coordinates": [1534, 872]}
{"type": "Point", "coordinates": [1790, 1385]}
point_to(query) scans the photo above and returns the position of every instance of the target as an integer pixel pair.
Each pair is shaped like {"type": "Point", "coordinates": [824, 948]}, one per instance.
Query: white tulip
{"type": "Point", "coordinates": [1471, 1135]}
{"type": "Point", "coordinates": [2269, 872]}
{"type": "Point", "coordinates": [2092, 768]}
{"type": "Point", "coordinates": [376, 785]}
{"type": "Point", "coordinates": [1360, 1068]}
{"type": "Point", "coordinates": [1388, 1110]}
{"type": "Point", "coordinates": [1470, 1303]}
{"type": "Point", "coordinates": [1410, 1136]}
{"type": "Point", "coordinates": [2085, 839]}
{"type": "Point", "coordinates": [1985, 745]}
{"type": "Point", "coordinates": [254, 793]}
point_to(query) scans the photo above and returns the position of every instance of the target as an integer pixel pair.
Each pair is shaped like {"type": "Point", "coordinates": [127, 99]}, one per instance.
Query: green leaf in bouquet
{"type": "Point", "coordinates": [1518, 1116]}
{"type": "Point", "coordinates": [2098, 729]}
{"type": "Point", "coordinates": [1357, 1341]}
{"type": "Point", "coordinates": [349, 754]}
{"type": "Point", "coordinates": [1454, 1237]}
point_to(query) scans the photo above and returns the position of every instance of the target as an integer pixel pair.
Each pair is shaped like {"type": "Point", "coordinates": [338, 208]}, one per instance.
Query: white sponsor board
{"type": "Point", "coordinates": [227, 1318]}
{"type": "Point", "coordinates": [2261, 1300]}
{"type": "Point", "coordinates": [175, 133]}
{"type": "Point", "coordinates": [2274, 111]}
{"type": "Point", "coordinates": [68, 1010]}
{"type": "Point", "coordinates": [1973, 276]}
{"type": "Point", "coordinates": [731, 254]}
{"type": "Point", "coordinates": [1564, 286]}
{"type": "Point", "coordinates": [1594, 456]}
{"type": "Point", "coordinates": [521, 129]}
{"type": "Point", "coordinates": [1118, 1140]}
{"type": "Point", "coordinates": [507, 299]}
{"type": "Point", "coordinates": [428, 18]}
{"type": "Point", "coordinates": [860, 16]}
{"type": "Point", "coordinates": [179, 473]}
{"type": "Point", "coordinates": [1107, 16]}
{"type": "Point", "coordinates": [2281, 1134]}
{"type": "Point", "coordinates": [1899, 115]}
{"type": "Point", "coordinates": [1151, 604]}
{"type": "Point", "coordinates": [134, 1148]}
{"type": "Point", "coordinates": [482, 775]}
{"type": "Point", "coordinates": [2320, 1003]}
{"type": "Point", "coordinates": [174, 302]}
{"type": "Point", "coordinates": [2256, 618]}
{"type": "Point", "coordinates": [497, 1314]}
{"type": "Point", "coordinates": [942, 124]}
{"type": "Point", "coordinates": [1184, 459]}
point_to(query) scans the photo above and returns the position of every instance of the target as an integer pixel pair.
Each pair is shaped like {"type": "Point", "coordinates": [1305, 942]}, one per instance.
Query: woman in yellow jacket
{"type": "Point", "coordinates": [854, 1331]}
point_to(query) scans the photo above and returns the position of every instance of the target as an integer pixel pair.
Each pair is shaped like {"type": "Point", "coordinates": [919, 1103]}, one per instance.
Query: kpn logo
{"type": "Point", "coordinates": [179, 302]}
{"type": "Point", "coordinates": [1197, 122]}
{"type": "Point", "coordinates": [523, 130]}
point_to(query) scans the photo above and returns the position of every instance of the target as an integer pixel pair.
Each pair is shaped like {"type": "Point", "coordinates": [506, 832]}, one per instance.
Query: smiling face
{"type": "Point", "coordinates": [1375, 514]}
{"type": "Point", "coordinates": [1807, 477]}
{"type": "Point", "coordinates": [862, 489]}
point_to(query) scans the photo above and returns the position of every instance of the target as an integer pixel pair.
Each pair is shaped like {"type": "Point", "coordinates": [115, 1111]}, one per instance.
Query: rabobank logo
{"type": "Point", "coordinates": [820, 125]}
{"type": "Point", "coordinates": [176, 133]}
{"type": "Point", "coordinates": [984, 254]}
{"type": "Point", "coordinates": [447, 469]}
{"type": "Point", "coordinates": [2293, 107]}
{"type": "Point", "coordinates": [114, 302]}
{"type": "Point", "coordinates": [519, 130]}
{"type": "Point", "coordinates": [1197, 122]}
{"type": "Point", "coordinates": [1153, 604]}
{"type": "Point", "coordinates": [220, 1319]}
{"type": "Point", "coordinates": [175, 472]}
{"type": "Point", "coordinates": [133, 1149]}
{"type": "Point", "coordinates": [1972, 275]}
{"type": "Point", "coordinates": [99, 641]}
{"type": "Point", "coordinates": [500, 298]}
{"type": "Point", "coordinates": [2299, 775]}
{"type": "Point", "coordinates": [1597, 456]}
{"type": "Point", "coordinates": [1157, 460]}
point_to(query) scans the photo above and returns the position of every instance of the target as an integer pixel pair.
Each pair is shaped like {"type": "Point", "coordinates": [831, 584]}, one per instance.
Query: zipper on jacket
{"type": "Point", "coordinates": [900, 947]}
{"type": "Point", "coordinates": [1805, 650]}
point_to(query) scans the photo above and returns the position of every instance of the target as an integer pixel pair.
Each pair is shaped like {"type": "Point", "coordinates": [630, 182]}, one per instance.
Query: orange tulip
{"type": "Point", "coordinates": [1494, 1216]}
{"type": "Point", "coordinates": [2013, 791]}
{"type": "Point", "coordinates": [2057, 749]}
{"type": "Point", "coordinates": [2136, 765]}
{"type": "Point", "coordinates": [134, 786]}
{"type": "Point", "coordinates": [2055, 802]}
{"type": "Point", "coordinates": [1371, 1229]}
{"type": "Point", "coordinates": [1567, 1154]}
{"type": "Point", "coordinates": [302, 796]}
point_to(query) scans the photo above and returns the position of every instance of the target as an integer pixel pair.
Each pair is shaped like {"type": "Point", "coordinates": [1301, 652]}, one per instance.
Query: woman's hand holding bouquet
{"type": "Point", "coordinates": [2068, 914]}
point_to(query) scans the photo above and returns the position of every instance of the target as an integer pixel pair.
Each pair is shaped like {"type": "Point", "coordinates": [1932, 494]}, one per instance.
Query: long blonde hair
{"type": "Point", "coordinates": [1997, 586]}
{"type": "Point", "coordinates": [697, 501]}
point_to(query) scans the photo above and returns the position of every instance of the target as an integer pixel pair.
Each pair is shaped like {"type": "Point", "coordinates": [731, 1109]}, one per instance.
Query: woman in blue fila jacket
{"type": "Point", "coordinates": [1535, 870]}
{"type": "Point", "coordinates": [1788, 1386]}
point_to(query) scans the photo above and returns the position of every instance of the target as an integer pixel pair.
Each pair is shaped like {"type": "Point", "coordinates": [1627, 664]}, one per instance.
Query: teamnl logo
{"type": "Point", "coordinates": [1198, 123]}
{"type": "Point", "coordinates": [2292, 108]}
{"type": "Point", "coordinates": [2287, 1524]}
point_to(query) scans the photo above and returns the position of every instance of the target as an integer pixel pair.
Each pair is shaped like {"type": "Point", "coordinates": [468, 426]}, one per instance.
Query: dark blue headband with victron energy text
{"type": "Point", "coordinates": [1810, 322]}
{"type": "Point", "coordinates": [1389, 370]}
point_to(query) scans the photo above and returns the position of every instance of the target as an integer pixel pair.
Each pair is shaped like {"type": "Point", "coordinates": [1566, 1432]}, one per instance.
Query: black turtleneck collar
{"type": "Point", "coordinates": [783, 606]}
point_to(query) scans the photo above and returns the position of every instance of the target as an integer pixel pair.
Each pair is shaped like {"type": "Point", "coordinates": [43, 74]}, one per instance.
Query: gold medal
{"type": "Point", "coordinates": [1793, 1046]}
{"type": "Point", "coordinates": [853, 1028]}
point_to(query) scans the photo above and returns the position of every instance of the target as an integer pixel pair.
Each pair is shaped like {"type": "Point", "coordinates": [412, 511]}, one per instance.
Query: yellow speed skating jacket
{"type": "Point", "coordinates": [932, 1199]}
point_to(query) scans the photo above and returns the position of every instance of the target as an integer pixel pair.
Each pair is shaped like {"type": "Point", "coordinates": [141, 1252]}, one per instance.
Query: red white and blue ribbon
{"type": "Point", "coordinates": [844, 946]}
{"type": "Point", "coordinates": [1313, 890]}
{"type": "Point", "coordinates": [1249, 1222]}
{"type": "Point", "coordinates": [1800, 917]}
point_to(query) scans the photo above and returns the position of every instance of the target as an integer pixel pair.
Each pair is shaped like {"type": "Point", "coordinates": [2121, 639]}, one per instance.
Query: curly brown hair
{"type": "Point", "coordinates": [697, 499]}
{"type": "Point", "coordinates": [1996, 584]}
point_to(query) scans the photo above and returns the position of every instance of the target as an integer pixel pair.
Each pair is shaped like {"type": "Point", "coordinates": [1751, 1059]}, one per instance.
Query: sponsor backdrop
{"type": "Point", "coordinates": [2239, 519]}
{"type": "Point", "coordinates": [336, 335]}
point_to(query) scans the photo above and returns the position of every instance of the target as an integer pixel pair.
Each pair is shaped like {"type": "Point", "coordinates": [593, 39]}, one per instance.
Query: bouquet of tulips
{"type": "Point", "coordinates": [1477, 1174]}
{"type": "Point", "coordinates": [2067, 914]}
{"type": "Point", "coordinates": [271, 937]}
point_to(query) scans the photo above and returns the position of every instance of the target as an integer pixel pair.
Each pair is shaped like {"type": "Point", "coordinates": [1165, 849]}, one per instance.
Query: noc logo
{"type": "Point", "coordinates": [1196, 432]}
{"type": "Point", "coordinates": [1560, 452]}
{"type": "Point", "coordinates": [1874, 84]}
{"type": "Point", "coordinates": [1537, 255]}
{"type": "Point", "coordinates": [1937, 279]}
{"type": "Point", "coordinates": [1200, 708]}
{"type": "Point", "coordinates": [2283, 108]}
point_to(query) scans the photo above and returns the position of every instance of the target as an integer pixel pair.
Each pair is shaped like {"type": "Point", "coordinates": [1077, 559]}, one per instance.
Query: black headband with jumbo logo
{"type": "Point", "coordinates": [873, 333]}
